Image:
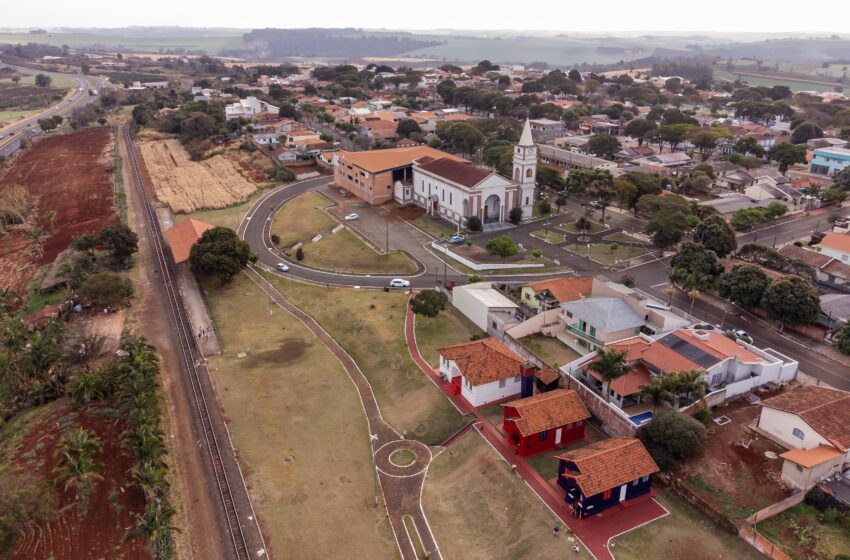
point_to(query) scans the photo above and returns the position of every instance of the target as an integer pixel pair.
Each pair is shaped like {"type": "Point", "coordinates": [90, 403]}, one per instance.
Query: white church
{"type": "Point", "coordinates": [455, 190]}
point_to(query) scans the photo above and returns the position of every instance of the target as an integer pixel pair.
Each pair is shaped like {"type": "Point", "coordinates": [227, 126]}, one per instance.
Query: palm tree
{"type": "Point", "coordinates": [656, 393]}
{"type": "Point", "coordinates": [692, 384]}
{"type": "Point", "coordinates": [610, 364]}
{"type": "Point", "coordinates": [154, 524]}
{"type": "Point", "coordinates": [77, 467]}
{"type": "Point", "coordinates": [85, 387]}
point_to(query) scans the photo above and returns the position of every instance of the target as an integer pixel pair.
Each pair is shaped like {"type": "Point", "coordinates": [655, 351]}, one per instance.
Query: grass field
{"type": "Point", "coordinates": [802, 530]}
{"type": "Point", "coordinates": [547, 466]}
{"type": "Point", "coordinates": [602, 252]}
{"type": "Point", "coordinates": [594, 227]}
{"type": "Point", "coordinates": [10, 117]}
{"type": "Point", "coordinates": [551, 350]}
{"type": "Point", "coordinates": [446, 329]}
{"type": "Point", "coordinates": [478, 509]}
{"type": "Point", "coordinates": [685, 533]}
{"type": "Point", "coordinates": [434, 228]}
{"type": "Point", "coordinates": [277, 402]}
{"type": "Point", "coordinates": [300, 219]}
{"type": "Point", "coordinates": [794, 85]}
{"type": "Point", "coordinates": [369, 324]}
{"type": "Point", "coordinates": [551, 237]}
{"type": "Point", "coordinates": [211, 45]}
{"type": "Point", "coordinates": [620, 237]}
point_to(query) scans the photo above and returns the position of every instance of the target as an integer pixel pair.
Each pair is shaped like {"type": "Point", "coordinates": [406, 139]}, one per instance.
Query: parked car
{"type": "Point", "coordinates": [740, 335]}
{"type": "Point", "coordinates": [399, 283]}
{"type": "Point", "coordinates": [283, 267]}
{"type": "Point", "coordinates": [595, 204]}
{"type": "Point", "coordinates": [456, 239]}
{"type": "Point", "coordinates": [352, 217]}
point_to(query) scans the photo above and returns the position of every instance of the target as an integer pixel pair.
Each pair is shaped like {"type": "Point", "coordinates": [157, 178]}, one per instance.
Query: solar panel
{"type": "Point", "coordinates": [688, 350]}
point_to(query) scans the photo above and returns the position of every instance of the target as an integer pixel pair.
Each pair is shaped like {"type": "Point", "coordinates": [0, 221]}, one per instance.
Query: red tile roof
{"type": "Point", "coordinates": [837, 241]}
{"type": "Point", "coordinates": [825, 410]}
{"type": "Point", "coordinates": [812, 457]}
{"type": "Point", "coordinates": [609, 463]}
{"type": "Point", "coordinates": [564, 289]}
{"type": "Point", "coordinates": [484, 361]}
{"type": "Point", "coordinates": [181, 238]}
{"type": "Point", "coordinates": [547, 411]}
{"type": "Point", "coordinates": [630, 383]}
{"type": "Point", "coordinates": [462, 173]}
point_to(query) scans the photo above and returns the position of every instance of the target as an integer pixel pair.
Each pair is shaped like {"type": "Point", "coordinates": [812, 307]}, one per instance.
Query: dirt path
{"type": "Point", "coordinates": [191, 496]}
{"type": "Point", "coordinates": [401, 484]}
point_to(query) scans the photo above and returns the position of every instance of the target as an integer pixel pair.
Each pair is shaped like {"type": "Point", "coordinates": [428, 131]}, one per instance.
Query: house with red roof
{"type": "Point", "coordinates": [837, 246]}
{"type": "Point", "coordinates": [605, 474]}
{"type": "Point", "coordinates": [545, 420]}
{"type": "Point", "coordinates": [183, 236]}
{"type": "Point", "coordinates": [549, 294]}
{"type": "Point", "coordinates": [813, 423]}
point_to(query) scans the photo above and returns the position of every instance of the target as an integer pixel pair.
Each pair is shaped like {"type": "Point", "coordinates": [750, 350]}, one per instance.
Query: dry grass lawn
{"type": "Point", "coordinates": [446, 329]}
{"type": "Point", "coordinates": [685, 533]}
{"type": "Point", "coordinates": [478, 509]}
{"type": "Point", "coordinates": [549, 349]}
{"type": "Point", "coordinates": [187, 185]}
{"type": "Point", "coordinates": [229, 217]}
{"type": "Point", "coordinates": [309, 462]}
{"type": "Point", "coordinates": [302, 218]}
{"type": "Point", "coordinates": [369, 324]}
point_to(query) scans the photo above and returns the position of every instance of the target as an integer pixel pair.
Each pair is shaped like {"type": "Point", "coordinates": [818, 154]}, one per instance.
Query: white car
{"type": "Point", "coordinates": [283, 267]}
{"type": "Point", "coordinates": [399, 283]}
{"type": "Point", "coordinates": [352, 217]}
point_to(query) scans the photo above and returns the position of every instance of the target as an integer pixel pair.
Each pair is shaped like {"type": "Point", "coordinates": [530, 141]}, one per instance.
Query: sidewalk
{"type": "Point", "coordinates": [593, 533]}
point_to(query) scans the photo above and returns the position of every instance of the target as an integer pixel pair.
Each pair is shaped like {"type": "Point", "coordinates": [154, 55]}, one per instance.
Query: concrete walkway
{"type": "Point", "coordinates": [594, 533]}
{"type": "Point", "coordinates": [401, 484]}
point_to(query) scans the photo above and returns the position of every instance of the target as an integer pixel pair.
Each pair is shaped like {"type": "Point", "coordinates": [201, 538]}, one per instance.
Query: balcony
{"type": "Point", "coordinates": [580, 333]}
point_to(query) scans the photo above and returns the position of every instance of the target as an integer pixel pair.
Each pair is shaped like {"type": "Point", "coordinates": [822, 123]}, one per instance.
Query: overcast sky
{"type": "Point", "coordinates": [564, 15]}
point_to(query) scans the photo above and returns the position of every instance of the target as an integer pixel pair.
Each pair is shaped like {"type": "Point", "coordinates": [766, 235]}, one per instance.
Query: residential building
{"type": "Point", "coordinates": [816, 143]}
{"type": "Point", "coordinates": [485, 306]}
{"type": "Point", "coordinates": [837, 246]}
{"type": "Point", "coordinates": [769, 191]}
{"type": "Point", "coordinates": [543, 421]}
{"type": "Point", "coordinates": [546, 130]}
{"type": "Point", "coordinates": [248, 108]}
{"type": "Point", "coordinates": [813, 422]}
{"type": "Point", "coordinates": [371, 175]}
{"type": "Point", "coordinates": [828, 161]}
{"type": "Point", "coordinates": [550, 294]}
{"type": "Point", "coordinates": [483, 371]}
{"type": "Point", "coordinates": [669, 162]}
{"type": "Point", "coordinates": [183, 236]}
{"type": "Point", "coordinates": [605, 474]}
{"type": "Point", "coordinates": [593, 322]}
{"type": "Point", "coordinates": [832, 274]}
{"type": "Point", "coordinates": [568, 159]}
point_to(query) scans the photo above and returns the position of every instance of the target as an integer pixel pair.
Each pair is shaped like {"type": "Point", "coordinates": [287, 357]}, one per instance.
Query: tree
{"type": "Point", "coordinates": [775, 210]}
{"type": "Point", "coordinates": [502, 246]}
{"type": "Point", "coordinates": [673, 436]}
{"type": "Point", "coordinates": [220, 253]}
{"type": "Point", "coordinates": [473, 223]}
{"type": "Point", "coordinates": [791, 301]}
{"type": "Point", "coordinates": [639, 128]}
{"type": "Point", "coordinates": [707, 140]}
{"type": "Point", "coordinates": [406, 127]}
{"type": "Point", "coordinates": [574, 75]}
{"type": "Point", "coordinates": [462, 136]}
{"type": "Point", "coordinates": [841, 179]}
{"type": "Point", "coordinates": [287, 111]}
{"type": "Point", "coordinates": [748, 217]}
{"type": "Point", "coordinates": [749, 145]}
{"type": "Point", "coordinates": [120, 240]}
{"type": "Point", "coordinates": [805, 132]}
{"type": "Point", "coordinates": [744, 285]}
{"type": "Point", "coordinates": [667, 227]}
{"type": "Point", "coordinates": [715, 233]}
{"type": "Point", "coordinates": [610, 364]}
{"type": "Point", "coordinates": [77, 467]}
{"type": "Point", "coordinates": [515, 215]}
{"type": "Point", "coordinates": [695, 267]}
{"type": "Point", "coordinates": [604, 145]}
{"type": "Point", "coordinates": [841, 339]}
{"type": "Point", "coordinates": [549, 176]}
{"type": "Point", "coordinates": [656, 393]}
{"type": "Point", "coordinates": [42, 80]}
{"type": "Point", "coordinates": [429, 303]}
{"type": "Point", "coordinates": [787, 155]}
{"type": "Point", "coordinates": [299, 254]}
{"type": "Point", "coordinates": [583, 183]}
{"type": "Point", "coordinates": [106, 289]}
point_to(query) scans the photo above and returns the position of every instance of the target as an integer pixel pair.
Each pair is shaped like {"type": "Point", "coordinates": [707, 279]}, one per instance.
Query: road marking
{"type": "Point", "coordinates": [661, 284]}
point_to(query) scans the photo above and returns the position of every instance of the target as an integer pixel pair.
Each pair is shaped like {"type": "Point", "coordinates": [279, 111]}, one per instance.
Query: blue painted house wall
{"type": "Point", "coordinates": [586, 506]}
{"type": "Point", "coordinates": [828, 161]}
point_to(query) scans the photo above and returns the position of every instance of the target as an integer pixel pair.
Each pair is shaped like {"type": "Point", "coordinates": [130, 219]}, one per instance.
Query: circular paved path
{"type": "Point", "coordinates": [385, 464]}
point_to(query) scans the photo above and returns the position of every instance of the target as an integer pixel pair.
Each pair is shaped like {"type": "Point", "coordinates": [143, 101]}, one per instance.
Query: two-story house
{"type": "Point", "coordinates": [593, 322]}
{"type": "Point", "coordinates": [829, 161]}
{"type": "Point", "coordinates": [544, 295]}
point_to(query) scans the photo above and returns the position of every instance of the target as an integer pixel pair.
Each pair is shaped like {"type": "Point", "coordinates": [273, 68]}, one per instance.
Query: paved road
{"type": "Point", "coordinates": [27, 129]}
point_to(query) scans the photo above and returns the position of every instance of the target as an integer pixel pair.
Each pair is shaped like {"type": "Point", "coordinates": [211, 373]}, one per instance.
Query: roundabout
{"type": "Point", "coordinates": [402, 458]}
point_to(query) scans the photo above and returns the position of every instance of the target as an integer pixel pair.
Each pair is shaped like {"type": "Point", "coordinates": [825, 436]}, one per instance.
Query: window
{"type": "Point", "coordinates": [606, 495]}
{"type": "Point", "coordinates": [592, 331]}
{"type": "Point", "coordinates": [578, 423]}
{"type": "Point", "coordinates": [544, 435]}
{"type": "Point", "coordinates": [443, 195]}
{"type": "Point", "coordinates": [645, 479]}
{"type": "Point", "coordinates": [526, 201]}
{"type": "Point", "coordinates": [798, 433]}
{"type": "Point", "coordinates": [528, 172]}
{"type": "Point", "coordinates": [450, 199]}
{"type": "Point", "coordinates": [570, 314]}
{"type": "Point", "coordinates": [635, 482]}
{"type": "Point", "coordinates": [570, 426]}
{"type": "Point", "coordinates": [799, 468]}
{"type": "Point", "coordinates": [502, 383]}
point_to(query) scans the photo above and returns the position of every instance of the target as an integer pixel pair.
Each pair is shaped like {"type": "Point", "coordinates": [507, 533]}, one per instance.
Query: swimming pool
{"type": "Point", "coordinates": [642, 418]}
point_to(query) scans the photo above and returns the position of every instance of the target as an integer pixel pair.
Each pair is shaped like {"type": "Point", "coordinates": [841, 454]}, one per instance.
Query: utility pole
{"type": "Point", "coordinates": [388, 237]}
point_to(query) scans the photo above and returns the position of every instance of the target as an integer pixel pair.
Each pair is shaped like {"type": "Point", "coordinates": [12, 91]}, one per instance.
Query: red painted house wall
{"type": "Point", "coordinates": [534, 444]}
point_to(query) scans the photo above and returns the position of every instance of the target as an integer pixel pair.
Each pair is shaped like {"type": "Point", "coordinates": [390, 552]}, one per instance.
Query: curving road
{"type": "Point", "coordinates": [27, 129]}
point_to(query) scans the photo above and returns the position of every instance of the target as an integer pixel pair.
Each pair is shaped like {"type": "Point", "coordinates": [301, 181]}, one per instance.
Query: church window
{"type": "Point", "coordinates": [516, 174]}
{"type": "Point", "coordinates": [528, 172]}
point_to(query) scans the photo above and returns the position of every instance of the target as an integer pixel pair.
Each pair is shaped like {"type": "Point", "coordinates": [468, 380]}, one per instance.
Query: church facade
{"type": "Point", "coordinates": [456, 190]}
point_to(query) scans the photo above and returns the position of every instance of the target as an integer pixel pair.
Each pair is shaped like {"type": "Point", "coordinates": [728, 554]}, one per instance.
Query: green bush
{"type": "Point", "coordinates": [703, 415]}
{"type": "Point", "coordinates": [537, 253]}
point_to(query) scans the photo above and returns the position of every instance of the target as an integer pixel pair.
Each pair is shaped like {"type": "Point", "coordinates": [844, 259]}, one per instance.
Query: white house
{"type": "Point", "coordinates": [837, 246]}
{"type": "Point", "coordinates": [814, 424]}
{"type": "Point", "coordinates": [481, 303]}
{"type": "Point", "coordinates": [248, 108]}
{"type": "Point", "coordinates": [456, 190]}
{"type": "Point", "coordinates": [486, 370]}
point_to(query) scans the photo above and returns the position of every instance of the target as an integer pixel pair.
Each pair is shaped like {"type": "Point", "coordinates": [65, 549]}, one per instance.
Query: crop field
{"type": "Point", "coordinates": [210, 45]}
{"type": "Point", "coordinates": [770, 82]}
{"type": "Point", "coordinates": [27, 97]}
{"type": "Point", "coordinates": [68, 175]}
{"type": "Point", "coordinates": [187, 185]}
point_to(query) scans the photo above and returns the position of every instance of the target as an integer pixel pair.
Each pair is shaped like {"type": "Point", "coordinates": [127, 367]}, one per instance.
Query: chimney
{"type": "Point", "coordinates": [527, 388]}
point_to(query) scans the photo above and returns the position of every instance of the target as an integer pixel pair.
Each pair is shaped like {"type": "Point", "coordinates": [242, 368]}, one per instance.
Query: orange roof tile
{"type": "Point", "coordinates": [837, 241]}
{"type": "Point", "coordinates": [484, 361]}
{"type": "Point", "coordinates": [825, 410]}
{"type": "Point", "coordinates": [547, 375]}
{"type": "Point", "coordinates": [547, 411]}
{"type": "Point", "coordinates": [630, 383]}
{"type": "Point", "coordinates": [376, 161]}
{"type": "Point", "coordinates": [564, 289]}
{"type": "Point", "coordinates": [812, 457]}
{"type": "Point", "coordinates": [609, 463]}
{"type": "Point", "coordinates": [182, 236]}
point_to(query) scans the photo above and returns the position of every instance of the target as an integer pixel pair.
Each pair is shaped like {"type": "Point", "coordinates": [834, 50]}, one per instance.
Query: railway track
{"type": "Point", "coordinates": [238, 512]}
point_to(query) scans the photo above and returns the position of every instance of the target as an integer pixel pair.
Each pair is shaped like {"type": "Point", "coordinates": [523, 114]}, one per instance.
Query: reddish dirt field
{"type": "Point", "coordinates": [113, 501]}
{"type": "Point", "coordinates": [69, 174]}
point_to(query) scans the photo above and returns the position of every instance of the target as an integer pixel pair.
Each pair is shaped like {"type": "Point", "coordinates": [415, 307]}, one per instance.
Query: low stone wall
{"type": "Point", "coordinates": [777, 508]}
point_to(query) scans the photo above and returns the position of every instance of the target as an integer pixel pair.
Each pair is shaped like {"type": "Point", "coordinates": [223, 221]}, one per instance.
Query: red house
{"type": "Point", "coordinates": [537, 423]}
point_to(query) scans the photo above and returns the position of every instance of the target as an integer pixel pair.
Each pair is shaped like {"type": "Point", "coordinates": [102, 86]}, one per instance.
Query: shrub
{"type": "Point", "coordinates": [502, 246]}
{"type": "Point", "coordinates": [299, 254]}
{"type": "Point", "coordinates": [582, 223]}
{"type": "Point", "coordinates": [468, 242]}
{"type": "Point", "coordinates": [429, 303]}
{"type": "Point", "coordinates": [545, 207]}
{"type": "Point", "coordinates": [275, 239]}
{"type": "Point", "coordinates": [106, 289]}
{"type": "Point", "coordinates": [515, 215]}
{"type": "Point", "coordinates": [537, 253]}
{"type": "Point", "coordinates": [703, 415]}
{"type": "Point", "coordinates": [473, 278]}
{"type": "Point", "coordinates": [282, 174]}
{"type": "Point", "coordinates": [674, 436]}
{"type": "Point", "coordinates": [473, 223]}
{"type": "Point", "coordinates": [628, 281]}
{"type": "Point", "coordinates": [247, 147]}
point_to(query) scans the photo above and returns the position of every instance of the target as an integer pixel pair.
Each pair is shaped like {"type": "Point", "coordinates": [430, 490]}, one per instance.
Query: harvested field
{"type": "Point", "coordinates": [69, 174]}
{"type": "Point", "coordinates": [32, 441]}
{"type": "Point", "coordinates": [187, 186]}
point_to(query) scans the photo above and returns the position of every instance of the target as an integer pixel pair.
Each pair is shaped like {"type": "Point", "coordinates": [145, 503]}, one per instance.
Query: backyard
{"type": "Point", "coordinates": [276, 400]}
{"type": "Point", "coordinates": [804, 533]}
{"type": "Point", "coordinates": [685, 533]}
{"type": "Point", "coordinates": [448, 328]}
{"type": "Point", "coordinates": [478, 509]}
{"type": "Point", "coordinates": [549, 349]}
{"type": "Point", "coordinates": [369, 325]}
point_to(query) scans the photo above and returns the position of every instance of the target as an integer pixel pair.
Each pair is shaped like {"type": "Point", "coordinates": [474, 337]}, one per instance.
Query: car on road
{"type": "Point", "coordinates": [595, 204]}
{"type": "Point", "coordinates": [740, 334]}
{"type": "Point", "coordinates": [352, 217]}
{"type": "Point", "coordinates": [456, 239]}
{"type": "Point", "coordinates": [283, 267]}
{"type": "Point", "coordinates": [399, 283]}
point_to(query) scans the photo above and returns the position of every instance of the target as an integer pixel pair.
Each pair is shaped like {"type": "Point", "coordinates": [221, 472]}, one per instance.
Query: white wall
{"type": "Point", "coordinates": [480, 395]}
{"type": "Point", "coordinates": [808, 478]}
{"type": "Point", "coordinates": [470, 306]}
{"type": "Point", "coordinates": [781, 425]}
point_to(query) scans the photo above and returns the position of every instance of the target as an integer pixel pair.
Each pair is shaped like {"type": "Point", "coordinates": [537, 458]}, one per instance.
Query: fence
{"type": "Point", "coordinates": [777, 508]}
{"type": "Point", "coordinates": [614, 422]}
{"type": "Point", "coordinates": [761, 543]}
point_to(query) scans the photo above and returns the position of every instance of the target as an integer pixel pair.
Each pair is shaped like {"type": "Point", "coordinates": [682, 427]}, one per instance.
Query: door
{"type": "Point", "coordinates": [623, 492]}
{"type": "Point", "coordinates": [558, 435]}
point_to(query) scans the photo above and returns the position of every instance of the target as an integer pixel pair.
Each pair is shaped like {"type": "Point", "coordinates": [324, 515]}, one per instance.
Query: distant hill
{"type": "Point", "coordinates": [332, 42]}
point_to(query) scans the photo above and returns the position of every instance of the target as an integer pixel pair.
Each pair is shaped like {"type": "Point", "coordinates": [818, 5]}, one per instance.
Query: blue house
{"type": "Point", "coordinates": [829, 161]}
{"type": "Point", "coordinates": [604, 474]}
